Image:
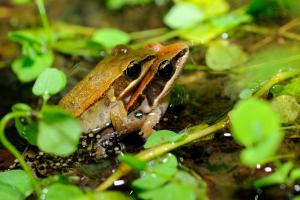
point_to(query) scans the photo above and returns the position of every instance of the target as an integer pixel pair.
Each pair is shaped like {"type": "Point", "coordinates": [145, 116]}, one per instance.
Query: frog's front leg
{"type": "Point", "coordinates": [153, 118]}
{"type": "Point", "coordinates": [124, 122]}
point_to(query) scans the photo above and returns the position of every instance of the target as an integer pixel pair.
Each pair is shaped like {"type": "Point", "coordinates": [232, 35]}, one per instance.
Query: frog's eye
{"type": "Point", "coordinates": [133, 70]}
{"type": "Point", "coordinates": [165, 70]}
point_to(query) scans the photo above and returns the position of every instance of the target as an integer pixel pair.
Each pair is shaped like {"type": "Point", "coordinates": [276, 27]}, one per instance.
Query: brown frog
{"type": "Point", "coordinates": [128, 89]}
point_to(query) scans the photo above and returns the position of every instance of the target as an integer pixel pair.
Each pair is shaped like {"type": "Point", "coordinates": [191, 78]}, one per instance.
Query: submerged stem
{"type": "Point", "coordinates": [13, 149]}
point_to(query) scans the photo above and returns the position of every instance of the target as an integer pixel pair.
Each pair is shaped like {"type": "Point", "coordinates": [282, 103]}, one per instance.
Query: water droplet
{"type": "Point", "coordinates": [297, 188]}
{"type": "Point", "coordinates": [268, 169]}
{"type": "Point", "coordinates": [138, 114]}
{"type": "Point", "coordinates": [224, 36]}
{"type": "Point", "coordinates": [282, 186]}
{"type": "Point", "coordinates": [119, 182]}
{"type": "Point", "coordinates": [227, 134]}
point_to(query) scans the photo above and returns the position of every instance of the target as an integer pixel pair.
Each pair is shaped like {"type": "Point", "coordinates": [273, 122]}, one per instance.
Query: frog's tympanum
{"type": "Point", "coordinates": [128, 89]}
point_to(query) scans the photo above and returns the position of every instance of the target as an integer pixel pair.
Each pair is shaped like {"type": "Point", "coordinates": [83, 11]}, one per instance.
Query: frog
{"type": "Point", "coordinates": [112, 79]}
{"type": "Point", "coordinates": [128, 90]}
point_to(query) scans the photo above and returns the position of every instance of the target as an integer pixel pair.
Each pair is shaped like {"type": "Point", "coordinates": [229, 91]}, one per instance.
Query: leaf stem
{"type": "Point", "coordinates": [13, 149]}
{"type": "Point", "coordinates": [44, 19]}
{"type": "Point", "coordinates": [274, 80]}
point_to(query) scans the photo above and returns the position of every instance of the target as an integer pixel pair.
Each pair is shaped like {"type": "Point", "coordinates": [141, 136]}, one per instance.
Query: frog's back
{"type": "Point", "coordinates": [98, 81]}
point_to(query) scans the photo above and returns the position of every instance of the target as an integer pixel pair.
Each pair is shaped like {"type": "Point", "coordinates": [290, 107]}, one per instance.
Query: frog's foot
{"type": "Point", "coordinates": [152, 119]}
{"type": "Point", "coordinates": [124, 123]}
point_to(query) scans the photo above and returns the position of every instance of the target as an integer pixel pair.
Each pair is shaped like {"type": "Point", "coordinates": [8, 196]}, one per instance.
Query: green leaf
{"type": "Point", "coordinates": [292, 88]}
{"type": "Point", "coordinates": [21, 107]}
{"type": "Point", "coordinates": [28, 69]}
{"type": "Point", "coordinates": [149, 181]}
{"type": "Point", "coordinates": [60, 191]}
{"type": "Point", "coordinates": [78, 46]}
{"type": "Point", "coordinates": [32, 37]}
{"type": "Point", "coordinates": [59, 131]}
{"type": "Point", "coordinates": [262, 65]}
{"type": "Point", "coordinates": [295, 174]}
{"type": "Point", "coordinates": [178, 137]}
{"type": "Point", "coordinates": [273, 9]}
{"type": "Point", "coordinates": [183, 15]}
{"type": "Point", "coordinates": [26, 127]}
{"type": "Point", "coordinates": [110, 37]}
{"type": "Point", "coordinates": [21, 1]}
{"type": "Point", "coordinates": [259, 8]}
{"type": "Point", "coordinates": [287, 108]}
{"type": "Point", "coordinates": [255, 125]}
{"type": "Point", "coordinates": [211, 8]}
{"type": "Point", "coordinates": [205, 32]}
{"type": "Point", "coordinates": [252, 121]}
{"type": "Point", "coordinates": [159, 137]}
{"type": "Point", "coordinates": [49, 82]}
{"type": "Point", "coordinates": [166, 166]}
{"type": "Point", "coordinates": [18, 181]}
{"type": "Point", "coordinates": [117, 4]}
{"type": "Point", "coordinates": [222, 55]}
{"type": "Point", "coordinates": [9, 192]}
{"type": "Point", "coordinates": [278, 177]}
{"type": "Point", "coordinates": [107, 195]}
{"type": "Point", "coordinates": [133, 161]}
{"type": "Point", "coordinates": [296, 197]}
{"type": "Point", "coordinates": [172, 191]}
{"type": "Point", "coordinates": [28, 130]}
{"type": "Point", "coordinates": [246, 93]}
{"type": "Point", "coordinates": [261, 153]}
{"type": "Point", "coordinates": [196, 182]}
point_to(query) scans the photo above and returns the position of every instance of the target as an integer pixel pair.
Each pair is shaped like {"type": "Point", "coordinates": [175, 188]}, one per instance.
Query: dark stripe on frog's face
{"type": "Point", "coordinates": [168, 71]}
{"type": "Point", "coordinates": [168, 64]}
